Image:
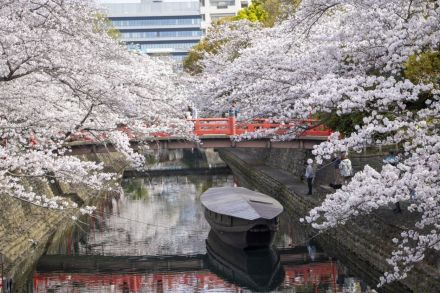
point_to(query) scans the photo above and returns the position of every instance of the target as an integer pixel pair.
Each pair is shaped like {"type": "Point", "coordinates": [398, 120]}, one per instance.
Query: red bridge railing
{"type": "Point", "coordinates": [229, 126]}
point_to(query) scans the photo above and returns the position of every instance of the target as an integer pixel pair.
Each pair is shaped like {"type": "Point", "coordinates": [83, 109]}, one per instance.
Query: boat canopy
{"type": "Point", "coordinates": [241, 202]}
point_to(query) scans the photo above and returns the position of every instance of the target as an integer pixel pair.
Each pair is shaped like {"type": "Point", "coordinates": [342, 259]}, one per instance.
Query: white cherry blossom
{"type": "Point", "coordinates": [61, 74]}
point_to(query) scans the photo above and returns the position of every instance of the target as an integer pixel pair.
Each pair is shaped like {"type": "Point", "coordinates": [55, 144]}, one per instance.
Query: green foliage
{"type": "Point", "coordinates": [274, 10]}
{"type": "Point", "coordinates": [191, 62]}
{"type": "Point", "coordinates": [150, 159]}
{"type": "Point", "coordinates": [136, 188]}
{"type": "Point", "coordinates": [278, 10]}
{"type": "Point", "coordinates": [267, 12]}
{"type": "Point", "coordinates": [114, 33]}
{"type": "Point", "coordinates": [424, 68]}
{"type": "Point", "coordinates": [103, 23]}
{"type": "Point", "coordinates": [255, 12]}
{"type": "Point", "coordinates": [345, 123]}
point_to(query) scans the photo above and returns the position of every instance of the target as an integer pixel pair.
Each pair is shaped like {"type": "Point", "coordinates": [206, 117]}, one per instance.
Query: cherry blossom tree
{"type": "Point", "coordinates": [352, 56]}
{"type": "Point", "coordinates": [60, 74]}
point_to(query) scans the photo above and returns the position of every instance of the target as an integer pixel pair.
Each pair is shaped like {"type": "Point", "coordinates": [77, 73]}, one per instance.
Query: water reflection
{"type": "Point", "coordinates": [153, 217]}
{"type": "Point", "coordinates": [230, 270]}
{"type": "Point", "coordinates": [184, 158]}
{"type": "Point", "coordinates": [258, 270]}
{"type": "Point", "coordinates": [153, 239]}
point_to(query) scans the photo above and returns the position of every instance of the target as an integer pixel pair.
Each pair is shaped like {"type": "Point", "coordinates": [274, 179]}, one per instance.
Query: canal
{"type": "Point", "coordinates": [153, 238]}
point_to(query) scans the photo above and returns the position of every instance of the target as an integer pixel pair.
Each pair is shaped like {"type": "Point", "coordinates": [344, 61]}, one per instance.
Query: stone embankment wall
{"type": "Point", "coordinates": [26, 229]}
{"type": "Point", "coordinates": [363, 244]}
{"type": "Point", "coordinates": [294, 162]}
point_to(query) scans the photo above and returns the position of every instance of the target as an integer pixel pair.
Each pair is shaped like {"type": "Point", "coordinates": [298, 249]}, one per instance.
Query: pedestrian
{"type": "Point", "coordinates": [310, 175]}
{"type": "Point", "coordinates": [188, 113]}
{"type": "Point", "coordinates": [336, 172]}
{"type": "Point", "coordinates": [311, 249]}
{"type": "Point", "coordinates": [194, 112]}
{"type": "Point", "coordinates": [234, 111]}
{"type": "Point", "coordinates": [412, 195]}
{"type": "Point", "coordinates": [392, 159]}
{"type": "Point", "coordinates": [345, 168]}
{"type": "Point", "coordinates": [8, 285]}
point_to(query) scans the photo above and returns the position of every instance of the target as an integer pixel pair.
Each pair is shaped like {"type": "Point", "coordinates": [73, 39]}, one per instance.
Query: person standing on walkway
{"type": "Point", "coordinates": [233, 112]}
{"type": "Point", "coordinates": [188, 113]}
{"type": "Point", "coordinates": [337, 174]}
{"type": "Point", "coordinates": [194, 112]}
{"type": "Point", "coordinates": [310, 175]}
{"type": "Point", "coordinates": [393, 160]}
{"type": "Point", "coordinates": [345, 168]}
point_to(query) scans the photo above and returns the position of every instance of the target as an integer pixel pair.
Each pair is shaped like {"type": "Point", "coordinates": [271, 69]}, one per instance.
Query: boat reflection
{"type": "Point", "coordinates": [258, 269]}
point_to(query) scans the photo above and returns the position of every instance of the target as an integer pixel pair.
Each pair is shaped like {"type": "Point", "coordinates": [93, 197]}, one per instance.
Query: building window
{"type": "Point", "coordinates": [156, 21]}
{"type": "Point", "coordinates": [173, 46]}
{"type": "Point", "coordinates": [160, 34]}
{"type": "Point", "coordinates": [222, 4]}
{"type": "Point", "coordinates": [215, 17]}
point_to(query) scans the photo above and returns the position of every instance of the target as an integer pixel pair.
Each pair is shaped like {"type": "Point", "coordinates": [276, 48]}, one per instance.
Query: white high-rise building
{"type": "Point", "coordinates": [156, 27]}
{"type": "Point", "coordinates": [211, 10]}
{"type": "Point", "coordinates": [170, 27]}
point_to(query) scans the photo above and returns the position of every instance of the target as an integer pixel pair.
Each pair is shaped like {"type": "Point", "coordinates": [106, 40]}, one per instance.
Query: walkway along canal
{"type": "Point", "coordinates": [153, 238]}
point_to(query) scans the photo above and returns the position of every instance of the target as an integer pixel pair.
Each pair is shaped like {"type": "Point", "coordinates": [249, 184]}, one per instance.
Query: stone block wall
{"type": "Point", "coordinates": [290, 160]}
{"type": "Point", "coordinates": [294, 162]}
{"type": "Point", "coordinates": [325, 173]}
{"type": "Point", "coordinates": [25, 229]}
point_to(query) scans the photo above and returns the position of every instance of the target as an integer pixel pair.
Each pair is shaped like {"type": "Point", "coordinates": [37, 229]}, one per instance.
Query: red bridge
{"type": "Point", "coordinates": [230, 126]}
{"type": "Point", "coordinates": [220, 133]}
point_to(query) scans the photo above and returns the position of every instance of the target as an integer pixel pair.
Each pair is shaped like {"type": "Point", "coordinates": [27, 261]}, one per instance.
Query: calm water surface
{"type": "Point", "coordinates": [153, 238]}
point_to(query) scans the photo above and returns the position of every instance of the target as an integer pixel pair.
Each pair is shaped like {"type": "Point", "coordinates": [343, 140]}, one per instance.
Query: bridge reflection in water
{"type": "Point", "coordinates": [222, 268]}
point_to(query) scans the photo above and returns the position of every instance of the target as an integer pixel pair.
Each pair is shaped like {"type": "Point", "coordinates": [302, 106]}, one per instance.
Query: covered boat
{"type": "Point", "coordinates": [241, 217]}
